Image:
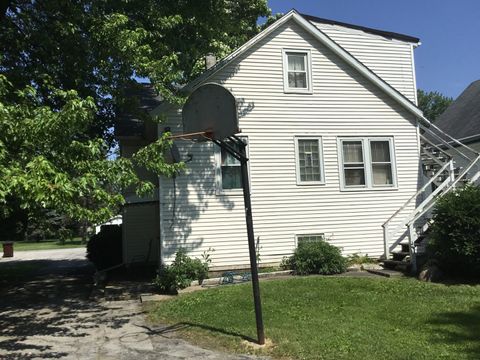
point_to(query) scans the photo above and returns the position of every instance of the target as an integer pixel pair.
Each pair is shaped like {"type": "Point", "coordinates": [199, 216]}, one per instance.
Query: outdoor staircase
{"type": "Point", "coordinates": [446, 164]}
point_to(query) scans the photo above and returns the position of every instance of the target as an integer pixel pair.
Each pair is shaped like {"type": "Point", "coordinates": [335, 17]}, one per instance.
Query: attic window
{"type": "Point", "coordinates": [297, 71]}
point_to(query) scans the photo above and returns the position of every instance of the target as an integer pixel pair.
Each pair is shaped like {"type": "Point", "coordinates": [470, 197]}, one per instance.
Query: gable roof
{"type": "Point", "coordinates": [325, 40]}
{"type": "Point", "coordinates": [462, 118]}
{"type": "Point", "coordinates": [386, 34]}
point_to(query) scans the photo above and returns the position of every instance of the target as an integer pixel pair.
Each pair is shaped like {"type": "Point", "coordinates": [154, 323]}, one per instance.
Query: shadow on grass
{"type": "Point", "coordinates": [186, 325]}
{"type": "Point", "coordinates": [460, 329]}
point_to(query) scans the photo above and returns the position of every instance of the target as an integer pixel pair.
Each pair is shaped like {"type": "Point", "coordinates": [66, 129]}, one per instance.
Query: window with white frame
{"type": "Point", "coordinates": [367, 163]}
{"type": "Point", "coordinates": [309, 160]}
{"type": "Point", "coordinates": [309, 238]}
{"type": "Point", "coordinates": [229, 175]}
{"type": "Point", "coordinates": [297, 70]}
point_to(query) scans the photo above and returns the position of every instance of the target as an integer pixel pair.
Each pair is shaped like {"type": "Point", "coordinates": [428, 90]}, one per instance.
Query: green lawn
{"type": "Point", "coordinates": [335, 318]}
{"type": "Point", "coordinates": [47, 245]}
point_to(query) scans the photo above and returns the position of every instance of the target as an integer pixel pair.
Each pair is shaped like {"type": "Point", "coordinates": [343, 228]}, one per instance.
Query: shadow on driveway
{"type": "Point", "coordinates": [43, 301]}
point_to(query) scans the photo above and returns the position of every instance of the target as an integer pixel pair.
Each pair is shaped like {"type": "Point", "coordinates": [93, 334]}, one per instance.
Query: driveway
{"type": "Point", "coordinates": [49, 314]}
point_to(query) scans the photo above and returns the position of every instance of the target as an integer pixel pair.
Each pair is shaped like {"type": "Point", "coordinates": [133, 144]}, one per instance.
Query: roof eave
{"type": "Point", "coordinates": [324, 39]}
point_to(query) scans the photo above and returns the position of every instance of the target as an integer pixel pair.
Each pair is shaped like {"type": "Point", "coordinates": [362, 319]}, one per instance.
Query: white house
{"type": "Point", "coordinates": [328, 111]}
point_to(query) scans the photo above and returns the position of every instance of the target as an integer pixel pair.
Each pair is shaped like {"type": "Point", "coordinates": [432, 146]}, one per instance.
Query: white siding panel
{"type": "Point", "coordinates": [140, 230]}
{"type": "Point", "coordinates": [389, 58]}
{"type": "Point", "coordinates": [342, 104]}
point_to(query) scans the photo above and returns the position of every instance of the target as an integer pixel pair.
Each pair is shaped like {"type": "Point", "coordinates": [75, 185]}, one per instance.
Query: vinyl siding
{"type": "Point", "coordinates": [389, 58]}
{"type": "Point", "coordinates": [140, 233]}
{"type": "Point", "coordinates": [343, 104]}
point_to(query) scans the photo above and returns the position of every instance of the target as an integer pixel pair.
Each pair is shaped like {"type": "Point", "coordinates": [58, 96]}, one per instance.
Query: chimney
{"type": "Point", "coordinates": [210, 60]}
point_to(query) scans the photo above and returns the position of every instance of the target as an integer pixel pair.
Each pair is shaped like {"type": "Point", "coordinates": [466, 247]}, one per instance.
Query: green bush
{"type": "Point", "coordinates": [317, 257]}
{"type": "Point", "coordinates": [104, 249]}
{"type": "Point", "coordinates": [454, 239]}
{"type": "Point", "coordinates": [181, 273]}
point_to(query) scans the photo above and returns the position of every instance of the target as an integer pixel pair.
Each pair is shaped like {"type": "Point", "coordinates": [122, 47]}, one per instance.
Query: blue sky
{"type": "Point", "coordinates": [448, 59]}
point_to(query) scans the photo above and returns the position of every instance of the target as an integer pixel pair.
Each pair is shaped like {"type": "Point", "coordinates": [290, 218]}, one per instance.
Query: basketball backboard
{"type": "Point", "coordinates": [210, 109]}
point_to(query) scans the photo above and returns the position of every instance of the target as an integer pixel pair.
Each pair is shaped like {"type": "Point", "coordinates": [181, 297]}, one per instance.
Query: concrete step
{"type": "Point", "coordinates": [385, 272]}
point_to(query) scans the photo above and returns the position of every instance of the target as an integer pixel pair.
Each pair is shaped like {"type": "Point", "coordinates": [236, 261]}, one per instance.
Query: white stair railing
{"type": "Point", "coordinates": [445, 180]}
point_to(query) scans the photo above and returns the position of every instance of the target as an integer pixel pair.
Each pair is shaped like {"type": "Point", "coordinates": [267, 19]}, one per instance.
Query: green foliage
{"type": "Point", "coordinates": [455, 233]}
{"type": "Point", "coordinates": [432, 103]}
{"type": "Point", "coordinates": [318, 257]}
{"type": "Point", "coordinates": [359, 259]}
{"type": "Point", "coordinates": [104, 249]}
{"type": "Point", "coordinates": [181, 273]}
{"type": "Point", "coordinates": [47, 163]}
{"type": "Point", "coordinates": [60, 94]}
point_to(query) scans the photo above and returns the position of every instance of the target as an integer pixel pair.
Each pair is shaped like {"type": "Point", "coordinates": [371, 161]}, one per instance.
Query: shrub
{"type": "Point", "coordinates": [455, 233]}
{"type": "Point", "coordinates": [318, 257]}
{"type": "Point", "coordinates": [181, 273]}
{"type": "Point", "coordinates": [104, 249]}
{"type": "Point", "coordinates": [359, 259]}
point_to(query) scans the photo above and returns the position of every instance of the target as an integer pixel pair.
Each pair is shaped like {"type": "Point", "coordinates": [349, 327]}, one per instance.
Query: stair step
{"type": "Point", "coordinates": [400, 255]}
{"type": "Point", "coordinates": [396, 264]}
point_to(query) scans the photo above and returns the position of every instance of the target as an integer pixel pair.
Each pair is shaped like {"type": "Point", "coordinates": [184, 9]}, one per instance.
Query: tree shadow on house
{"type": "Point", "coordinates": [194, 195]}
{"type": "Point", "coordinates": [47, 313]}
{"type": "Point", "coordinates": [460, 329]}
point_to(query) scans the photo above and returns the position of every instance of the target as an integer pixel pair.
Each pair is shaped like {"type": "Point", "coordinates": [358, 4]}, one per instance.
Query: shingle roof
{"type": "Point", "coordinates": [462, 118]}
{"type": "Point", "coordinates": [386, 34]}
{"type": "Point", "coordinates": [141, 99]}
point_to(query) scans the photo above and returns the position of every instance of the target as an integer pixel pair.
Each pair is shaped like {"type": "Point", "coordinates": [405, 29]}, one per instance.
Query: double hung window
{"type": "Point", "coordinates": [367, 163]}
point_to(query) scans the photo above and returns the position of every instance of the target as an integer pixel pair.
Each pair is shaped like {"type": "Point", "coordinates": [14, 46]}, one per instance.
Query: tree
{"type": "Point", "coordinates": [64, 66]}
{"type": "Point", "coordinates": [432, 103]}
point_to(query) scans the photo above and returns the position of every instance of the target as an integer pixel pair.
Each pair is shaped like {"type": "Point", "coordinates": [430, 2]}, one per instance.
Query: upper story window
{"type": "Point", "coordinates": [367, 163]}
{"type": "Point", "coordinates": [309, 159]}
{"type": "Point", "coordinates": [229, 175]}
{"type": "Point", "coordinates": [297, 71]}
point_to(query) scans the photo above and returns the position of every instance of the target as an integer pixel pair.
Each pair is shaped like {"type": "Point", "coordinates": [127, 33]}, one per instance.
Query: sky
{"type": "Point", "coordinates": [448, 59]}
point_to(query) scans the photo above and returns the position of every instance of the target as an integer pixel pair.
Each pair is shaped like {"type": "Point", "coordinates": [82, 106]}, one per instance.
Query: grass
{"type": "Point", "coordinates": [47, 245]}
{"type": "Point", "coordinates": [335, 318]}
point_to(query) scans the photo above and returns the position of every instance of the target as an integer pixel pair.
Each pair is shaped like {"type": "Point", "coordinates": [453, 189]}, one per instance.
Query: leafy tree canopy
{"type": "Point", "coordinates": [64, 66]}
{"type": "Point", "coordinates": [432, 103]}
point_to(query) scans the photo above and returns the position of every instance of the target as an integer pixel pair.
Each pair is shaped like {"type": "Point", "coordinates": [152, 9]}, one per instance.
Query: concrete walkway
{"type": "Point", "coordinates": [52, 316]}
{"type": "Point", "coordinates": [55, 254]}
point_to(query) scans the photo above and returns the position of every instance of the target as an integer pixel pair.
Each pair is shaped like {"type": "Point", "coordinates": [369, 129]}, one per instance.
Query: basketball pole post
{"type": "Point", "coordinates": [241, 155]}
{"type": "Point", "coordinates": [251, 244]}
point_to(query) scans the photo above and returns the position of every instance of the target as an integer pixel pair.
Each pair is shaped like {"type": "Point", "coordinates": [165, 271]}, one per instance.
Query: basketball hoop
{"type": "Point", "coordinates": [210, 114]}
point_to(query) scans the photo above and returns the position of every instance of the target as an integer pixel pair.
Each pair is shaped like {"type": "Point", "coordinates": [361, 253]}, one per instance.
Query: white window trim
{"type": "Point", "coordinates": [368, 163]}
{"type": "Point", "coordinates": [316, 233]}
{"type": "Point", "coordinates": [297, 160]}
{"type": "Point", "coordinates": [218, 171]}
{"type": "Point", "coordinates": [286, 88]}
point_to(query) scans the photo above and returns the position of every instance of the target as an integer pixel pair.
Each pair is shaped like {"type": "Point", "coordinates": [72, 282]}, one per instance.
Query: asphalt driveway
{"type": "Point", "coordinates": [46, 311]}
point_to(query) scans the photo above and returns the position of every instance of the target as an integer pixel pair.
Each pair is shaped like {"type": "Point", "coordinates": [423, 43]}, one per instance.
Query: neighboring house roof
{"type": "Point", "coordinates": [386, 34]}
{"type": "Point", "coordinates": [462, 118]}
{"type": "Point", "coordinates": [142, 99]}
{"type": "Point", "coordinates": [325, 40]}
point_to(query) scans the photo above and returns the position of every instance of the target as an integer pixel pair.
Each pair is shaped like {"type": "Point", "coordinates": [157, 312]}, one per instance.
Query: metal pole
{"type": "Point", "coordinates": [251, 245]}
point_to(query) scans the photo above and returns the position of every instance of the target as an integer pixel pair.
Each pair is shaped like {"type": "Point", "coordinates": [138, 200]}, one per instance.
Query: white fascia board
{"type": "Point", "coordinates": [356, 64]}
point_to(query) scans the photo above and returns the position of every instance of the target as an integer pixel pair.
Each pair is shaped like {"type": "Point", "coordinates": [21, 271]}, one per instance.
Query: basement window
{"type": "Point", "coordinates": [309, 238]}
